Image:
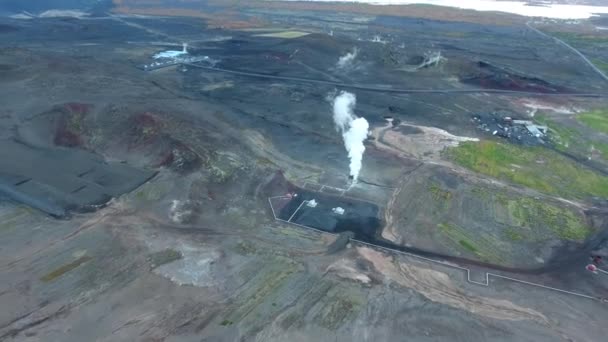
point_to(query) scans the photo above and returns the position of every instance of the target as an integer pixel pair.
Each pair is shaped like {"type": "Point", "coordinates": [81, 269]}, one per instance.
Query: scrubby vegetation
{"type": "Point", "coordinates": [61, 270]}
{"type": "Point", "coordinates": [580, 39]}
{"type": "Point", "coordinates": [567, 138]}
{"type": "Point", "coordinates": [534, 167]}
{"type": "Point", "coordinates": [601, 64]}
{"type": "Point", "coordinates": [596, 119]}
{"type": "Point", "coordinates": [562, 136]}
{"type": "Point", "coordinates": [164, 257]}
{"type": "Point", "coordinates": [565, 223]}
{"type": "Point", "coordinates": [484, 247]}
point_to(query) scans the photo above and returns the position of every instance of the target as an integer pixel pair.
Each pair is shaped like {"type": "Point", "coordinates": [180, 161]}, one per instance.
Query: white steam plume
{"type": "Point", "coordinates": [354, 130]}
{"type": "Point", "coordinates": [347, 60]}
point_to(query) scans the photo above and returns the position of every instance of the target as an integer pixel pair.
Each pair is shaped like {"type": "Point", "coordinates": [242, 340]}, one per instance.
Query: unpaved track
{"type": "Point", "coordinates": [561, 42]}
{"type": "Point", "coordinates": [388, 89]}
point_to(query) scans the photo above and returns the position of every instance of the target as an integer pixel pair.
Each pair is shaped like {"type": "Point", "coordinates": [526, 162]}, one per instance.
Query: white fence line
{"type": "Point", "coordinates": [439, 262]}
{"type": "Point", "coordinates": [323, 186]}
{"type": "Point", "coordinates": [468, 272]}
{"type": "Point", "coordinates": [295, 212]}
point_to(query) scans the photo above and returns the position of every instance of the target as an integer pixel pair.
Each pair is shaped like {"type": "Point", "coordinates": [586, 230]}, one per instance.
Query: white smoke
{"type": "Point", "coordinates": [354, 130]}
{"type": "Point", "coordinates": [378, 39]}
{"type": "Point", "coordinates": [347, 60]}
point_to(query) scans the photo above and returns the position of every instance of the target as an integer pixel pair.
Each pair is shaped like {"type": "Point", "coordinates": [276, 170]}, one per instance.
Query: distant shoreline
{"type": "Point", "coordinates": [524, 8]}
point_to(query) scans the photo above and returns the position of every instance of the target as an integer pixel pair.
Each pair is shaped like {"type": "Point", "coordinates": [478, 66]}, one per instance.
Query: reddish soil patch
{"type": "Point", "coordinates": [146, 135]}
{"type": "Point", "coordinates": [166, 159]}
{"type": "Point", "coordinates": [64, 137]}
{"type": "Point", "coordinates": [146, 119]}
{"type": "Point", "coordinates": [69, 128]}
{"type": "Point", "coordinates": [491, 77]}
{"type": "Point", "coordinates": [180, 158]}
{"type": "Point", "coordinates": [278, 186]}
{"type": "Point", "coordinates": [145, 129]}
{"type": "Point", "coordinates": [277, 57]}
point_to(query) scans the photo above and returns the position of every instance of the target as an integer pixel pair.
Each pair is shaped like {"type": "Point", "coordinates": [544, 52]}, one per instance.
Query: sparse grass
{"type": "Point", "coordinates": [456, 34]}
{"type": "Point", "coordinates": [439, 193]}
{"type": "Point", "coordinates": [530, 219]}
{"type": "Point", "coordinates": [441, 197]}
{"type": "Point", "coordinates": [601, 64]}
{"type": "Point", "coordinates": [467, 245]}
{"type": "Point", "coordinates": [151, 191]}
{"type": "Point", "coordinates": [58, 272]}
{"type": "Point", "coordinates": [226, 323]}
{"type": "Point", "coordinates": [501, 199]}
{"type": "Point", "coordinates": [513, 235]}
{"type": "Point", "coordinates": [562, 136]}
{"type": "Point", "coordinates": [245, 248]}
{"type": "Point", "coordinates": [75, 123]}
{"type": "Point", "coordinates": [568, 139]}
{"type": "Point", "coordinates": [537, 168]}
{"type": "Point", "coordinates": [291, 319]}
{"type": "Point", "coordinates": [318, 292]}
{"type": "Point", "coordinates": [10, 219]}
{"type": "Point", "coordinates": [529, 212]}
{"type": "Point", "coordinates": [164, 257]}
{"type": "Point", "coordinates": [581, 39]}
{"type": "Point", "coordinates": [264, 286]}
{"type": "Point", "coordinates": [602, 148]}
{"type": "Point", "coordinates": [481, 192]}
{"type": "Point", "coordinates": [264, 162]}
{"type": "Point", "coordinates": [596, 119]}
{"type": "Point", "coordinates": [219, 175]}
{"type": "Point", "coordinates": [338, 309]}
{"type": "Point", "coordinates": [483, 247]}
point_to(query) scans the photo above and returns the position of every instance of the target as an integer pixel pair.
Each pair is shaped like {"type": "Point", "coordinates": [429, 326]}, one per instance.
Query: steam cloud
{"type": "Point", "coordinates": [354, 130]}
{"type": "Point", "coordinates": [347, 60]}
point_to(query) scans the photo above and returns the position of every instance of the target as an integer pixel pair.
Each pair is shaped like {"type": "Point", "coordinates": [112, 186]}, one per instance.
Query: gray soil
{"type": "Point", "coordinates": [195, 253]}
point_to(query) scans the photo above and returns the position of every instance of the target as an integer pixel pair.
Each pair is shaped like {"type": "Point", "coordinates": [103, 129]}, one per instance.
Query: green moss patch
{"type": "Point", "coordinates": [602, 148]}
{"type": "Point", "coordinates": [58, 272]}
{"type": "Point", "coordinates": [513, 235]}
{"type": "Point", "coordinates": [485, 248]}
{"type": "Point", "coordinates": [226, 323]}
{"type": "Point", "coordinates": [439, 193]}
{"type": "Point", "coordinates": [601, 64]}
{"type": "Point", "coordinates": [164, 257]}
{"type": "Point", "coordinates": [338, 309]}
{"type": "Point", "coordinates": [534, 167]}
{"type": "Point", "coordinates": [566, 224]}
{"type": "Point", "coordinates": [562, 136]}
{"type": "Point", "coordinates": [442, 198]}
{"type": "Point", "coordinates": [263, 287]}
{"type": "Point", "coordinates": [468, 245]}
{"type": "Point", "coordinates": [596, 119]}
{"type": "Point", "coordinates": [569, 139]}
{"type": "Point", "coordinates": [582, 39]}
